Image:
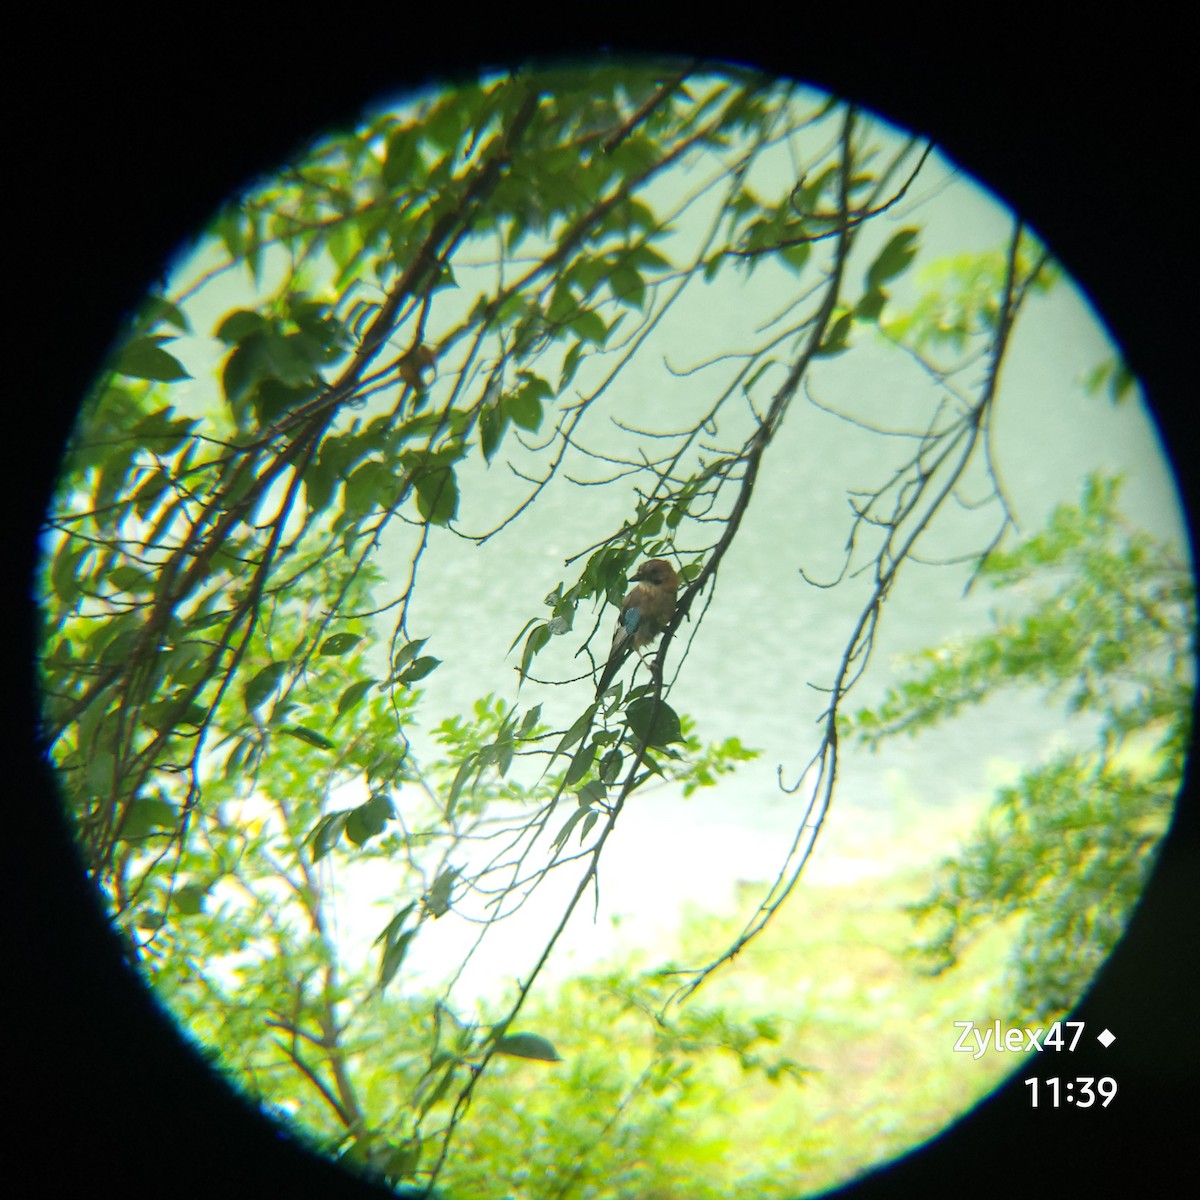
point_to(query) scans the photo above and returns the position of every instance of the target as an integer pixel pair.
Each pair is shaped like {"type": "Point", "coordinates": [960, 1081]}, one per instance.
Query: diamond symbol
{"type": "Point", "coordinates": [1106, 1039]}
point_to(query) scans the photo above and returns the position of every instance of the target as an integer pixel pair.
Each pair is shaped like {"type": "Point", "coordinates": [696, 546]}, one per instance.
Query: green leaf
{"type": "Point", "coordinates": [527, 1045]}
{"type": "Point", "coordinates": [460, 778]}
{"type": "Point", "coordinates": [647, 256]}
{"type": "Point", "coordinates": [281, 709]}
{"type": "Point", "coordinates": [262, 685]}
{"type": "Point", "coordinates": [273, 399]}
{"type": "Point", "coordinates": [525, 409]}
{"type": "Point", "coordinates": [492, 424]}
{"type": "Point", "coordinates": [401, 1162]}
{"type": "Point", "coordinates": [157, 308]}
{"type": "Point", "coordinates": [437, 899]}
{"type": "Point", "coordinates": [407, 653]}
{"type": "Point", "coordinates": [795, 256]}
{"type": "Point", "coordinates": [571, 361]}
{"type": "Point", "coordinates": [418, 669]}
{"type": "Point", "coordinates": [129, 578]}
{"type": "Point", "coordinates": [538, 637]}
{"type": "Point", "coordinates": [189, 899]}
{"type": "Point", "coordinates": [162, 423]}
{"type": "Point", "coordinates": [287, 359]}
{"type": "Point", "coordinates": [650, 525]}
{"type": "Point", "coordinates": [119, 648]}
{"type": "Point", "coordinates": [580, 764]}
{"type": "Point", "coordinates": [311, 736]}
{"type": "Point", "coordinates": [144, 358]}
{"type": "Point", "coordinates": [655, 722]}
{"type": "Point", "coordinates": [99, 774]}
{"type": "Point", "coordinates": [610, 766]}
{"type": "Point", "coordinates": [393, 957]}
{"type": "Point", "coordinates": [351, 697]}
{"type": "Point", "coordinates": [569, 824]}
{"type": "Point", "coordinates": [835, 339]}
{"type": "Point", "coordinates": [339, 643]}
{"type": "Point", "coordinates": [429, 1092]}
{"type": "Point", "coordinates": [147, 816]}
{"type": "Point", "coordinates": [893, 259]}
{"type": "Point", "coordinates": [64, 573]}
{"type": "Point", "coordinates": [437, 496]}
{"type": "Point", "coordinates": [172, 713]}
{"type": "Point", "coordinates": [368, 820]}
{"type": "Point", "coordinates": [364, 487]}
{"type": "Point", "coordinates": [589, 326]}
{"type": "Point", "coordinates": [400, 155]}
{"type": "Point", "coordinates": [189, 662]}
{"type": "Point", "coordinates": [591, 793]}
{"type": "Point", "coordinates": [529, 721]}
{"type": "Point", "coordinates": [871, 305]}
{"type": "Point", "coordinates": [324, 834]}
{"type": "Point", "coordinates": [320, 478]}
{"type": "Point", "coordinates": [627, 285]}
{"type": "Point", "coordinates": [582, 724]}
{"type": "Point", "coordinates": [241, 369]}
{"type": "Point", "coordinates": [1123, 382]}
{"type": "Point", "coordinates": [237, 326]}
{"type": "Point", "coordinates": [396, 940]}
{"type": "Point", "coordinates": [207, 620]}
{"type": "Point", "coordinates": [149, 491]}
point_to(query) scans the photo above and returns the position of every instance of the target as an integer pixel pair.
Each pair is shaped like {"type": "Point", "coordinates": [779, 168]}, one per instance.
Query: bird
{"type": "Point", "coordinates": [645, 612]}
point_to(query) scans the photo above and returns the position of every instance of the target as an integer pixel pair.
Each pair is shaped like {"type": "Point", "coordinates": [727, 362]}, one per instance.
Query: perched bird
{"type": "Point", "coordinates": [645, 613]}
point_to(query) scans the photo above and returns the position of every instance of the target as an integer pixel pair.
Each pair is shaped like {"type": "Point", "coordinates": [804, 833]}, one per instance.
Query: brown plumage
{"type": "Point", "coordinates": [645, 613]}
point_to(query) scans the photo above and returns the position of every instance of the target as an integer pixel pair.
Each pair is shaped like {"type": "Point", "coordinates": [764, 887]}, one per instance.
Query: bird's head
{"type": "Point", "coordinates": [659, 572]}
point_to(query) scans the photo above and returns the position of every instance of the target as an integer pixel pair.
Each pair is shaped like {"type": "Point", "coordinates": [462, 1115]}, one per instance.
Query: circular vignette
{"type": "Point", "coordinates": [112, 284]}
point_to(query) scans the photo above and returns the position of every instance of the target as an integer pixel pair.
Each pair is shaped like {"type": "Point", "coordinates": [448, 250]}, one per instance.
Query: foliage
{"type": "Point", "coordinates": [418, 302]}
{"type": "Point", "coordinates": [1107, 628]}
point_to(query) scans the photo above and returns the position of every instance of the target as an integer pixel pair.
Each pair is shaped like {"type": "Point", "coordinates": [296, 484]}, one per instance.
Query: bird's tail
{"type": "Point", "coordinates": [615, 661]}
